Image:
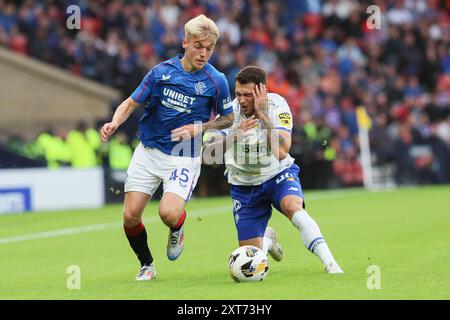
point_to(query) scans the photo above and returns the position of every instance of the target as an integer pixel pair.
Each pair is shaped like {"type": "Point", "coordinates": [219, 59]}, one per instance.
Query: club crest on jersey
{"type": "Point", "coordinates": [200, 87]}
{"type": "Point", "coordinates": [285, 119]}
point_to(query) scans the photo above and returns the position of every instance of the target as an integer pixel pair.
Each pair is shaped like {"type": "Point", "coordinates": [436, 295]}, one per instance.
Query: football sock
{"type": "Point", "coordinates": [180, 222]}
{"type": "Point", "coordinates": [311, 236]}
{"type": "Point", "coordinates": [137, 237]}
{"type": "Point", "coordinates": [267, 244]}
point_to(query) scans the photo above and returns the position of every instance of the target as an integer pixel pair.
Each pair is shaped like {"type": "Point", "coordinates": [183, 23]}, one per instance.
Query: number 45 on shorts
{"type": "Point", "coordinates": [182, 175]}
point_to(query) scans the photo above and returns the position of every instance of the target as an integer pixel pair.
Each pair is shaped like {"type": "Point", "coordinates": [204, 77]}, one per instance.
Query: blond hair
{"type": "Point", "coordinates": [201, 26]}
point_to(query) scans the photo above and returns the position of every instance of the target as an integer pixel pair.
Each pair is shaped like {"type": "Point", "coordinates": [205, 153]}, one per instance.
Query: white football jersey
{"type": "Point", "coordinates": [250, 161]}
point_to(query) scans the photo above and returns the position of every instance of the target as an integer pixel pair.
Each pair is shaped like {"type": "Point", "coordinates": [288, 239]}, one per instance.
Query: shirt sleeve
{"type": "Point", "coordinates": [282, 118]}
{"type": "Point", "coordinates": [235, 125]}
{"type": "Point", "coordinates": [222, 100]}
{"type": "Point", "coordinates": [145, 88]}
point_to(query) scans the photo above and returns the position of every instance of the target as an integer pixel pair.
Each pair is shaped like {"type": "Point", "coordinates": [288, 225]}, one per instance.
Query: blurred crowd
{"type": "Point", "coordinates": [79, 147]}
{"type": "Point", "coordinates": [322, 56]}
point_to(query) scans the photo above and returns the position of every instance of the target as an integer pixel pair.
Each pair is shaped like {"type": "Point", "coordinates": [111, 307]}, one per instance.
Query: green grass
{"type": "Point", "coordinates": [405, 232]}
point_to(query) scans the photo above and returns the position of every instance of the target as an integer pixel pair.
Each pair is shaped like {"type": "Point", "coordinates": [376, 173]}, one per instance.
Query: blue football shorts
{"type": "Point", "coordinates": [252, 205]}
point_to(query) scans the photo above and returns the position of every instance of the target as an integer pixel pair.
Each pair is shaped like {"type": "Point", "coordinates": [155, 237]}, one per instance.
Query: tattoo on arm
{"type": "Point", "coordinates": [220, 123]}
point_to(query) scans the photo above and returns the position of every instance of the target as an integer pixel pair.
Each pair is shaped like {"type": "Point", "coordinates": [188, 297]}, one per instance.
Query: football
{"type": "Point", "coordinates": [248, 263]}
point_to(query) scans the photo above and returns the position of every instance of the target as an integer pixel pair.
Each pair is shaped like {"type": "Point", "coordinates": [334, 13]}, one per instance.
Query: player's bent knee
{"type": "Point", "coordinates": [291, 206]}
{"type": "Point", "coordinates": [131, 218]}
{"type": "Point", "coordinates": [169, 215]}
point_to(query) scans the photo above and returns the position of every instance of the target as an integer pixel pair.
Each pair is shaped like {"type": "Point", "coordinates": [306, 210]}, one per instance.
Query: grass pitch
{"type": "Point", "coordinates": [405, 232]}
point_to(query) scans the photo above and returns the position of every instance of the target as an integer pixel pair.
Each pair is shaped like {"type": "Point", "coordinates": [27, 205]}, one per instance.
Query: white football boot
{"type": "Point", "coordinates": [333, 268]}
{"type": "Point", "coordinates": [275, 251]}
{"type": "Point", "coordinates": [175, 243]}
{"type": "Point", "coordinates": [146, 273]}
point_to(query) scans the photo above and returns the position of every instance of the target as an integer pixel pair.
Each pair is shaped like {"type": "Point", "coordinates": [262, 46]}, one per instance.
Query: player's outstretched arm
{"type": "Point", "coordinates": [190, 130]}
{"type": "Point", "coordinates": [228, 140]}
{"type": "Point", "coordinates": [123, 111]}
{"type": "Point", "coordinates": [221, 122]}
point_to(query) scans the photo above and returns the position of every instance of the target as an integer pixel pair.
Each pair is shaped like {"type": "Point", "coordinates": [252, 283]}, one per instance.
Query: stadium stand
{"type": "Point", "coordinates": [320, 55]}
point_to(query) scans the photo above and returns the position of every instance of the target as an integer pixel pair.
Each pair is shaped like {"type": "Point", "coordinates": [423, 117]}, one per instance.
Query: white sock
{"type": "Point", "coordinates": [267, 244]}
{"type": "Point", "coordinates": [311, 236]}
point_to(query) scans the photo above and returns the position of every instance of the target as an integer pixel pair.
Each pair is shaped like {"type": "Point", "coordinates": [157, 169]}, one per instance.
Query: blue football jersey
{"type": "Point", "coordinates": [174, 98]}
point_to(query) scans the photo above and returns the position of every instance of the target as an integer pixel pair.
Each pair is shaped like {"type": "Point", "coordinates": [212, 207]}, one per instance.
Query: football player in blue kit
{"type": "Point", "coordinates": [260, 171]}
{"type": "Point", "coordinates": [179, 95]}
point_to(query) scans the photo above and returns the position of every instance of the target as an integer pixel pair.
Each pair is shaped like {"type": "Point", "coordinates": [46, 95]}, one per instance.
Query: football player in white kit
{"type": "Point", "coordinates": [260, 171]}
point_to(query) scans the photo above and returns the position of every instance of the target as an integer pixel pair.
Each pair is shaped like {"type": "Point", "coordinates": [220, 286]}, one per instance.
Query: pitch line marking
{"type": "Point", "coordinates": [103, 226]}
{"type": "Point", "coordinates": [192, 213]}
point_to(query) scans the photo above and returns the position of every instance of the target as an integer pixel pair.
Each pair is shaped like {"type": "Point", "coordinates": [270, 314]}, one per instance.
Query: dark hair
{"type": "Point", "coordinates": [253, 74]}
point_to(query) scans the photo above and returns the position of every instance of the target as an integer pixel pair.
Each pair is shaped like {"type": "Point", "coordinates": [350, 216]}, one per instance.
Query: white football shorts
{"type": "Point", "coordinates": [149, 166]}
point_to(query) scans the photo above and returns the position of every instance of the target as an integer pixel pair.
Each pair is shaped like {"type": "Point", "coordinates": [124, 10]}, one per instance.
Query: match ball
{"type": "Point", "coordinates": [248, 263]}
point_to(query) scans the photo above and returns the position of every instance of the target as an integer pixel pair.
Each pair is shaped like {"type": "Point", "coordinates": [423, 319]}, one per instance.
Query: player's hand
{"type": "Point", "coordinates": [248, 123]}
{"type": "Point", "coordinates": [244, 128]}
{"type": "Point", "coordinates": [186, 132]}
{"type": "Point", "coordinates": [107, 130]}
{"type": "Point", "coordinates": [261, 99]}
